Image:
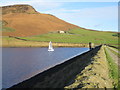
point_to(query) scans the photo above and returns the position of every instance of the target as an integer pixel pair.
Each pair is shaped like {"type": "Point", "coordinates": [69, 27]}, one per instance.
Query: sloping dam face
{"type": "Point", "coordinates": [60, 75]}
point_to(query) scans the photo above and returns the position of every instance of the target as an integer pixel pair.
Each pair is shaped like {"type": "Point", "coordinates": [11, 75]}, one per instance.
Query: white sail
{"type": "Point", "coordinates": [50, 48]}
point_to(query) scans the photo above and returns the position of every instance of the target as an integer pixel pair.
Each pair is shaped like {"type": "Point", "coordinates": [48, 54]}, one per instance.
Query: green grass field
{"type": "Point", "coordinates": [77, 36]}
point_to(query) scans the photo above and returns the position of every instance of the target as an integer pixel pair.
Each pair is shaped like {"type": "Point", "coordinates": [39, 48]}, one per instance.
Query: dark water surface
{"type": "Point", "coordinates": [19, 64]}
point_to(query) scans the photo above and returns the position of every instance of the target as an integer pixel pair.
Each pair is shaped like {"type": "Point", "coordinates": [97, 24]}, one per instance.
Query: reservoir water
{"type": "Point", "coordinates": [19, 64]}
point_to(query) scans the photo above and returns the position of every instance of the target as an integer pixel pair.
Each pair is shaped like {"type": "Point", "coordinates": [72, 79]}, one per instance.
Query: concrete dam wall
{"type": "Point", "coordinates": [60, 75]}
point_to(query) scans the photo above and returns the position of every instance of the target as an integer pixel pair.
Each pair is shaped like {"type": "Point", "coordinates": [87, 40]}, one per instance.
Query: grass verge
{"type": "Point", "coordinates": [113, 69]}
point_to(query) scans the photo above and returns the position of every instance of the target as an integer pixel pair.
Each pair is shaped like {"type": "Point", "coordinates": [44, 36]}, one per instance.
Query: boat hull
{"type": "Point", "coordinates": [50, 50]}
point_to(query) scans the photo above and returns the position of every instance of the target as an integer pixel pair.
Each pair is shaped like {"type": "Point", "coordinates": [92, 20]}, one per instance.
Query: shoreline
{"type": "Point", "coordinates": [14, 42]}
{"type": "Point", "coordinates": [40, 44]}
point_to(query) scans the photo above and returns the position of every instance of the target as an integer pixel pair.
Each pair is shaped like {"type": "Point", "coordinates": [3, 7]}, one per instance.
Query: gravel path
{"type": "Point", "coordinates": [114, 56]}
{"type": "Point", "coordinates": [115, 50]}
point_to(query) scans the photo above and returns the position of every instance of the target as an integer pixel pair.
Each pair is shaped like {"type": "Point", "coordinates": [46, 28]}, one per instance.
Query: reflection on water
{"type": "Point", "coordinates": [22, 63]}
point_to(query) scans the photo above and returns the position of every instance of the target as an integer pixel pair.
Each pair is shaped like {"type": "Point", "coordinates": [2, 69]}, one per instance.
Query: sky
{"type": "Point", "coordinates": [99, 15]}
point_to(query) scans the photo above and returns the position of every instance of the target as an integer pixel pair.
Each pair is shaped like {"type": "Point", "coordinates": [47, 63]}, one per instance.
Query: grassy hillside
{"type": "Point", "coordinates": [77, 36]}
{"type": "Point", "coordinates": [27, 21]}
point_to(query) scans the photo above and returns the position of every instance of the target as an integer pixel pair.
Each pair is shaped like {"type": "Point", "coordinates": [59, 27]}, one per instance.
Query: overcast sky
{"type": "Point", "coordinates": [102, 15]}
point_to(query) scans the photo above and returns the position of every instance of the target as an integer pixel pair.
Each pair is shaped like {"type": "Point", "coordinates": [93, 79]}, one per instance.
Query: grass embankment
{"type": "Point", "coordinates": [113, 68]}
{"type": "Point", "coordinates": [95, 75]}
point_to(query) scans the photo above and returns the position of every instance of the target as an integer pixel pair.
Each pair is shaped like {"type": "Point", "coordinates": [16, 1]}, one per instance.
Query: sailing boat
{"type": "Point", "coordinates": [50, 48]}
